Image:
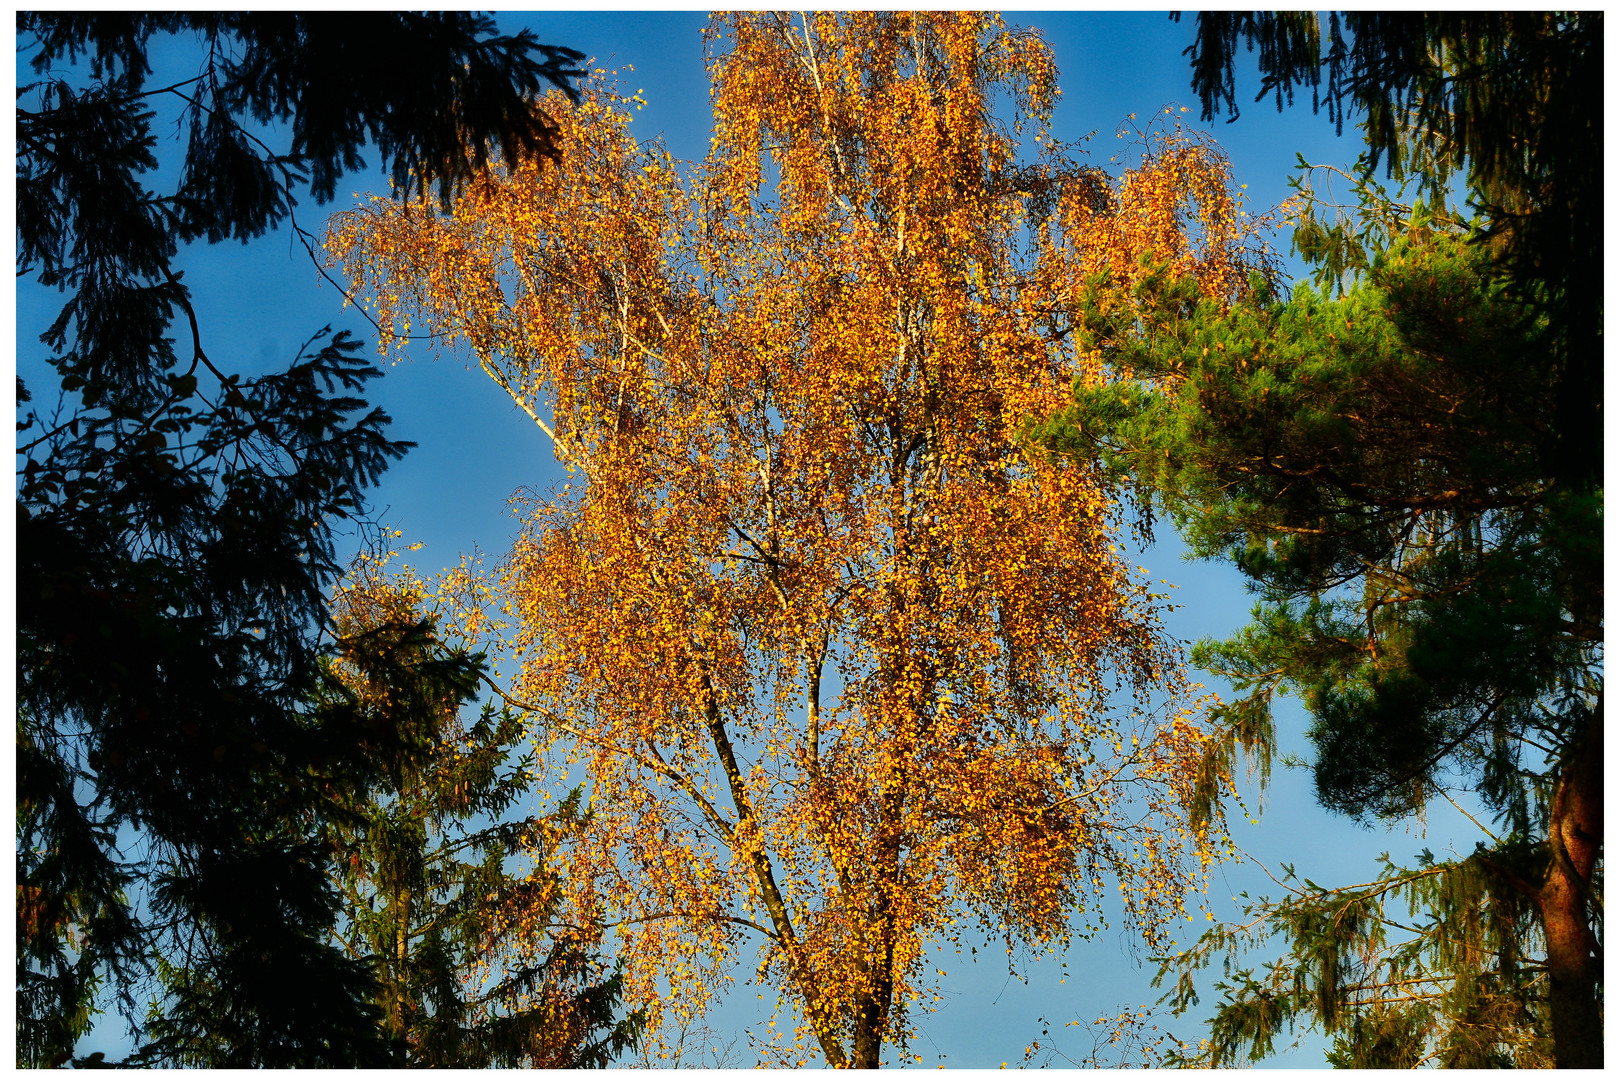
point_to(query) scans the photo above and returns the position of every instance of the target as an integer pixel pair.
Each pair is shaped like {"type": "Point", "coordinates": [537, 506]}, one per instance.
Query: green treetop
{"type": "Point", "coordinates": [1408, 475]}
{"type": "Point", "coordinates": [1512, 101]}
{"type": "Point", "coordinates": [447, 888]}
{"type": "Point", "coordinates": [1373, 465]}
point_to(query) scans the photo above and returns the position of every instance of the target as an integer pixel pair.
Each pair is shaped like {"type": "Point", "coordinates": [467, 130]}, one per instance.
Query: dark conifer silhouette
{"type": "Point", "coordinates": [175, 520]}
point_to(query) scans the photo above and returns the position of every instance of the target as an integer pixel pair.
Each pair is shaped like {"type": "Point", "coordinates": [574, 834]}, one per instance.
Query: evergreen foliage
{"type": "Point", "coordinates": [444, 885]}
{"type": "Point", "coordinates": [175, 523]}
{"type": "Point", "coordinates": [1511, 100]}
{"type": "Point", "coordinates": [1374, 465]}
{"type": "Point", "coordinates": [1431, 964]}
{"type": "Point", "coordinates": [168, 611]}
{"type": "Point", "coordinates": [1409, 475]}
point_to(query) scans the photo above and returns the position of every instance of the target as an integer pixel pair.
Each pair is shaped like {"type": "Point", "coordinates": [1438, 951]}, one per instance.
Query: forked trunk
{"type": "Point", "coordinates": [868, 1032]}
{"type": "Point", "coordinates": [872, 1007]}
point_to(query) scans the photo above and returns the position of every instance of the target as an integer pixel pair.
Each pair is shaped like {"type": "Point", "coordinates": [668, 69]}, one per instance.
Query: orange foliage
{"type": "Point", "coordinates": [848, 666]}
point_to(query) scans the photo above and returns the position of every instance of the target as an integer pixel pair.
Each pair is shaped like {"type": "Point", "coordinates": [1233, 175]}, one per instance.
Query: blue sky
{"type": "Point", "coordinates": [258, 302]}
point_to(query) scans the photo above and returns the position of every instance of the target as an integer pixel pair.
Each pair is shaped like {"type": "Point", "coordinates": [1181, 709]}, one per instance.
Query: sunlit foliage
{"type": "Point", "coordinates": [851, 670]}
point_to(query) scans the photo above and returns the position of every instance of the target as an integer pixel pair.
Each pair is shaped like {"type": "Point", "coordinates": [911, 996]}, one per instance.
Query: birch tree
{"type": "Point", "coordinates": [853, 671]}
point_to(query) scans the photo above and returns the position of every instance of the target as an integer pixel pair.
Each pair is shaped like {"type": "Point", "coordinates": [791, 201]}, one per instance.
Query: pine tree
{"type": "Point", "coordinates": [1377, 466]}
{"type": "Point", "coordinates": [1512, 101]}
{"type": "Point", "coordinates": [166, 644]}
{"type": "Point", "coordinates": [445, 886]}
{"type": "Point", "coordinates": [1409, 475]}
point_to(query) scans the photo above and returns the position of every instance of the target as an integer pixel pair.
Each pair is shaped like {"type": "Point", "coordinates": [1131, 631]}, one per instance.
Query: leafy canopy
{"type": "Point", "coordinates": [851, 670]}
